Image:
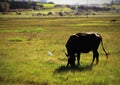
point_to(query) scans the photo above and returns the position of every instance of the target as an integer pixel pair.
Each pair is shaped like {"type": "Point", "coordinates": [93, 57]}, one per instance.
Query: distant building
{"type": "Point", "coordinates": [115, 2]}
{"type": "Point", "coordinates": [43, 0]}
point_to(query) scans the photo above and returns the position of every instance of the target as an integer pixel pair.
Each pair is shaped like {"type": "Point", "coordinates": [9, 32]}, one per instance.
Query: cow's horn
{"type": "Point", "coordinates": [66, 54]}
{"type": "Point", "coordinates": [68, 57]}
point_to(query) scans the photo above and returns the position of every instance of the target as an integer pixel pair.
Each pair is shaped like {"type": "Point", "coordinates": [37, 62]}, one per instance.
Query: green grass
{"type": "Point", "coordinates": [48, 5]}
{"type": "Point", "coordinates": [116, 6]}
{"type": "Point", "coordinates": [24, 30]}
{"type": "Point", "coordinates": [25, 44]}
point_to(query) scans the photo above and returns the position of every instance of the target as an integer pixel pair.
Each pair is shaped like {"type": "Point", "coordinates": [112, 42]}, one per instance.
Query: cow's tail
{"type": "Point", "coordinates": [106, 53]}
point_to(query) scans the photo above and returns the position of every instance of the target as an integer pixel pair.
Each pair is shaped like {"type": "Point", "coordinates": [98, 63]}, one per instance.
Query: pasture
{"type": "Point", "coordinates": [32, 51]}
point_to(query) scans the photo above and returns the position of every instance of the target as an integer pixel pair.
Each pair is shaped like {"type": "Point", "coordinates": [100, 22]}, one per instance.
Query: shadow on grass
{"type": "Point", "coordinates": [76, 68]}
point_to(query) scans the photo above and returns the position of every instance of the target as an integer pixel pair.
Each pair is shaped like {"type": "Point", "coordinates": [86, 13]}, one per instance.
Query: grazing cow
{"type": "Point", "coordinates": [83, 43]}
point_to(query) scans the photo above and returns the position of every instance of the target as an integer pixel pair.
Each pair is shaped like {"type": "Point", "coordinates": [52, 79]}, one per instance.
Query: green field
{"type": "Point", "coordinates": [26, 44]}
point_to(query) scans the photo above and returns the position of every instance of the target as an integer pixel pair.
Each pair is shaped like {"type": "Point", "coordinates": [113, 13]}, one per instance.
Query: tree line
{"type": "Point", "coordinates": [5, 5]}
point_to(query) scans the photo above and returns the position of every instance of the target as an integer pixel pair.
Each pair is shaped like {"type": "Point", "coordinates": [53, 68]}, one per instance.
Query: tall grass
{"type": "Point", "coordinates": [25, 44]}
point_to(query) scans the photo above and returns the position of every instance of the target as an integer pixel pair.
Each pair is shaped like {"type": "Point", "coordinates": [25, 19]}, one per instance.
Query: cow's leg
{"type": "Point", "coordinates": [78, 58]}
{"type": "Point", "coordinates": [67, 63]}
{"type": "Point", "coordinates": [71, 61]}
{"type": "Point", "coordinates": [95, 55]}
{"type": "Point", "coordinates": [93, 60]}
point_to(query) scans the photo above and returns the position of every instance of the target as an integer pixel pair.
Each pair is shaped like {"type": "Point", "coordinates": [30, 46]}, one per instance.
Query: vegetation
{"type": "Point", "coordinates": [4, 6]}
{"type": "Point", "coordinates": [24, 5]}
{"type": "Point", "coordinates": [32, 51]}
{"type": "Point", "coordinates": [68, 10]}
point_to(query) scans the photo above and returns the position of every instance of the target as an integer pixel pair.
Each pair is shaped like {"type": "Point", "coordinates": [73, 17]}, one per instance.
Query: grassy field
{"type": "Point", "coordinates": [32, 51]}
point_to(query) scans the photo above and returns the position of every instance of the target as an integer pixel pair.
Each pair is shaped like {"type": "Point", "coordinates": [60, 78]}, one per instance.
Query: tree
{"type": "Point", "coordinates": [4, 6]}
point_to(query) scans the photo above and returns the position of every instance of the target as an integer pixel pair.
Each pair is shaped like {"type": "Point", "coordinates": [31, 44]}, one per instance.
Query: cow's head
{"type": "Point", "coordinates": [71, 60]}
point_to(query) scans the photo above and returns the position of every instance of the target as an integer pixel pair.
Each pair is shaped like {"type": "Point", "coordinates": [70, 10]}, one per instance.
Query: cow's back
{"type": "Point", "coordinates": [83, 42]}
{"type": "Point", "coordinates": [88, 41]}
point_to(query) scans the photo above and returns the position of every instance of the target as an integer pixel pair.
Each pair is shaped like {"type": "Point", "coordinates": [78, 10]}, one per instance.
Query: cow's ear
{"type": "Point", "coordinates": [68, 57]}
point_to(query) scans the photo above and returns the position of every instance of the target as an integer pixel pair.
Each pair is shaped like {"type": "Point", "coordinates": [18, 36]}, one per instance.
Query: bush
{"type": "Point", "coordinates": [50, 13]}
{"type": "Point", "coordinates": [61, 13]}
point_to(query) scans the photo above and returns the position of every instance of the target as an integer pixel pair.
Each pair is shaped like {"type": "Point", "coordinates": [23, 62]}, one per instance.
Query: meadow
{"type": "Point", "coordinates": [32, 51]}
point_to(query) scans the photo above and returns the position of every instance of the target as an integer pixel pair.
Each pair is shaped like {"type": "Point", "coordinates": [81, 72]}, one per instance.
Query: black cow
{"type": "Point", "coordinates": [83, 43]}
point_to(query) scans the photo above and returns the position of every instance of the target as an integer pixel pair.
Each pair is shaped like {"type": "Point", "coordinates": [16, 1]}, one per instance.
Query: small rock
{"type": "Point", "coordinates": [50, 54]}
